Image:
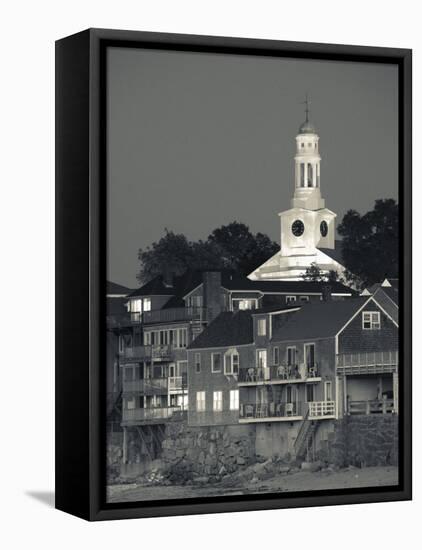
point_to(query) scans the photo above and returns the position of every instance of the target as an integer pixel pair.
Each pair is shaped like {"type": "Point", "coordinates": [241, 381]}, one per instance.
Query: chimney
{"type": "Point", "coordinates": [212, 293]}
{"type": "Point", "coordinates": [326, 293]}
{"type": "Point", "coordinates": [168, 278]}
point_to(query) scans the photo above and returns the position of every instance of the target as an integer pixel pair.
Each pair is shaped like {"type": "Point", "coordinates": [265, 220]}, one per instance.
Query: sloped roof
{"type": "Point", "coordinates": [181, 285]}
{"type": "Point", "coordinates": [114, 288]}
{"type": "Point", "coordinates": [319, 319]}
{"type": "Point", "coordinates": [337, 253]}
{"type": "Point", "coordinates": [228, 329]}
{"type": "Point", "coordinates": [292, 287]}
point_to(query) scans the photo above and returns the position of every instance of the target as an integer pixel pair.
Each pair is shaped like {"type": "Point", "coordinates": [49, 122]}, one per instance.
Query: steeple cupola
{"type": "Point", "coordinates": [307, 166]}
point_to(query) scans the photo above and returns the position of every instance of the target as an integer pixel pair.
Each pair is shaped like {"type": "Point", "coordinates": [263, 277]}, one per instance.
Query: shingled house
{"type": "Point", "coordinates": [294, 372]}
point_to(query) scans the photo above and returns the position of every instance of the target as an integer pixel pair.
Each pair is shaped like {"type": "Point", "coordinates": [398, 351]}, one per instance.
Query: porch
{"type": "Point", "coordinates": [278, 374]}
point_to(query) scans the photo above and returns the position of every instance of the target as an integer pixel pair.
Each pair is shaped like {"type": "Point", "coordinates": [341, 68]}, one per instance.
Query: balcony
{"type": "Point", "coordinates": [377, 406]}
{"type": "Point", "coordinates": [319, 410]}
{"type": "Point", "coordinates": [271, 412]}
{"type": "Point", "coordinates": [146, 416]}
{"type": "Point", "coordinates": [147, 386]}
{"type": "Point", "coordinates": [281, 374]}
{"type": "Point", "coordinates": [169, 315]}
{"type": "Point", "coordinates": [380, 362]}
{"type": "Point", "coordinates": [175, 314]}
{"type": "Point", "coordinates": [178, 383]}
{"type": "Point", "coordinates": [147, 353]}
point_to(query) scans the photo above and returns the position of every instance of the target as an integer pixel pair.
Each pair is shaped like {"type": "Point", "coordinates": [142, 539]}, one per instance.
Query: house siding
{"type": "Point", "coordinates": [355, 339]}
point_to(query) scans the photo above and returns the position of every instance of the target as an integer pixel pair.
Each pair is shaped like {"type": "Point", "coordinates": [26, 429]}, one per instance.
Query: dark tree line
{"type": "Point", "coordinates": [231, 246]}
{"type": "Point", "coordinates": [369, 249]}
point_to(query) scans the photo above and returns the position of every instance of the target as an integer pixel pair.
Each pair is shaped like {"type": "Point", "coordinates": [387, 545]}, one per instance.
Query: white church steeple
{"type": "Point", "coordinates": [307, 167]}
{"type": "Point", "coordinates": [307, 229]}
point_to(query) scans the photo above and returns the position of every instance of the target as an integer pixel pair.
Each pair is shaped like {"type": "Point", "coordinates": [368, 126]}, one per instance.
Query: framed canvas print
{"type": "Point", "coordinates": [233, 274]}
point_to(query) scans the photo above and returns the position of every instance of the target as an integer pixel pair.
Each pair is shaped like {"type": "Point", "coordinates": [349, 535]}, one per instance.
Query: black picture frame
{"type": "Point", "coordinates": [80, 271]}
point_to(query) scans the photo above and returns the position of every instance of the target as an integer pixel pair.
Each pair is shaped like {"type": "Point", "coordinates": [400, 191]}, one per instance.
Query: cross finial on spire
{"type": "Point", "coordinates": [307, 102]}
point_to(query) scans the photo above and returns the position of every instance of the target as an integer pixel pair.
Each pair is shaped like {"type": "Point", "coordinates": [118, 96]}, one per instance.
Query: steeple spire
{"type": "Point", "coordinates": [307, 102]}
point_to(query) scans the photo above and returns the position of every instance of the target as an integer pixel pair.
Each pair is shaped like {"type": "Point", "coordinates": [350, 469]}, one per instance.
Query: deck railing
{"type": "Point", "coordinates": [147, 385]}
{"type": "Point", "coordinates": [271, 410]}
{"type": "Point", "coordinates": [378, 362]}
{"type": "Point", "coordinates": [377, 406]}
{"type": "Point", "coordinates": [156, 413]}
{"type": "Point", "coordinates": [141, 353]}
{"type": "Point", "coordinates": [318, 409]}
{"type": "Point", "coordinates": [158, 316]}
{"type": "Point", "coordinates": [278, 373]}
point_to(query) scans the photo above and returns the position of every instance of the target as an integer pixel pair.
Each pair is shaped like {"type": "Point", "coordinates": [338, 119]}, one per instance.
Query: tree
{"type": "Point", "coordinates": [240, 249]}
{"type": "Point", "coordinates": [313, 273]}
{"type": "Point", "coordinates": [370, 243]}
{"type": "Point", "coordinates": [175, 253]}
{"type": "Point", "coordinates": [230, 246]}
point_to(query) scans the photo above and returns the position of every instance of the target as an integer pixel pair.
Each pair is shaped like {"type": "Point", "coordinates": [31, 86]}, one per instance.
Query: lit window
{"type": "Point", "coordinates": [371, 320]}
{"type": "Point", "coordinates": [197, 362]}
{"type": "Point", "coordinates": [147, 304]}
{"type": "Point", "coordinates": [262, 327]}
{"type": "Point", "coordinates": [200, 401]}
{"type": "Point", "coordinates": [216, 362]}
{"type": "Point", "coordinates": [217, 401]}
{"type": "Point", "coordinates": [231, 363]}
{"type": "Point", "coordinates": [290, 299]}
{"type": "Point", "coordinates": [261, 358]}
{"type": "Point", "coordinates": [136, 306]}
{"type": "Point", "coordinates": [234, 400]}
{"type": "Point", "coordinates": [244, 304]}
{"type": "Point", "coordinates": [276, 356]}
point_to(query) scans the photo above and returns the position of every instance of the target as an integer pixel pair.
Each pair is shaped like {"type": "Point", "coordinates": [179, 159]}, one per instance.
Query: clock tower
{"type": "Point", "coordinates": [308, 226]}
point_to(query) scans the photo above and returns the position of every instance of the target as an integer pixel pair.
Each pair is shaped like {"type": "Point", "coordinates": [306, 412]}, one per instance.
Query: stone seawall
{"type": "Point", "coordinates": [209, 452]}
{"type": "Point", "coordinates": [361, 441]}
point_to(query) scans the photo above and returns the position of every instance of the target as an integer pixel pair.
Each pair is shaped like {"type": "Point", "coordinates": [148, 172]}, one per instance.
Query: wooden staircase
{"type": "Point", "coordinates": [305, 438]}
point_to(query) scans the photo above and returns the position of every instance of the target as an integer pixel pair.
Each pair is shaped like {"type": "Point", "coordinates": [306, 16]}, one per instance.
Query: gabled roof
{"type": "Point", "coordinates": [228, 329]}
{"type": "Point", "coordinates": [319, 319]}
{"type": "Point", "coordinates": [116, 289]}
{"type": "Point", "coordinates": [181, 285]}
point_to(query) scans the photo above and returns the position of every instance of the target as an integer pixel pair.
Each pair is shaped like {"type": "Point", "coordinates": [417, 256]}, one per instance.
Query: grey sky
{"type": "Point", "coordinates": [199, 140]}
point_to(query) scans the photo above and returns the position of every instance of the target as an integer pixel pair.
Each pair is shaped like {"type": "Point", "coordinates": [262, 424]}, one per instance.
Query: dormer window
{"type": "Point", "coordinates": [371, 320]}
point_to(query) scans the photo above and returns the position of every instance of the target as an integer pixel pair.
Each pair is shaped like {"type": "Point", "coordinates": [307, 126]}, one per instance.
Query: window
{"type": "Point", "coordinates": [303, 298]}
{"type": "Point", "coordinates": [290, 299]}
{"type": "Point", "coordinates": [182, 338]}
{"type": "Point", "coordinates": [262, 327]}
{"type": "Point", "coordinates": [147, 304]}
{"type": "Point", "coordinates": [197, 362]}
{"type": "Point", "coordinates": [302, 145]}
{"type": "Point", "coordinates": [231, 363]}
{"type": "Point", "coordinates": [129, 374]}
{"type": "Point", "coordinates": [328, 392]}
{"type": "Point", "coordinates": [200, 401]}
{"type": "Point", "coordinates": [136, 306]}
{"type": "Point", "coordinates": [310, 393]}
{"type": "Point", "coordinates": [276, 356]}
{"type": "Point", "coordinates": [371, 320]}
{"type": "Point", "coordinates": [291, 356]}
{"type": "Point", "coordinates": [234, 400]}
{"type": "Point", "coordinates": [217, 402]}
{"type": "Point", "coordinates": [261, 358]}
{"type": "Point", "coordinates": [243, 304]}
{"type": "Point", "coordinates": [216, 362]}
{"type": "Point", "coordinates": [309, 352]}
{"type": "Point", "coordinates": [131, 403]}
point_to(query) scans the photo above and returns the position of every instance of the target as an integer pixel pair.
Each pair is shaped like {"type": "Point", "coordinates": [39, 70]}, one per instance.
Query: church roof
{"type": "Point", "coordinates": [336, 253]}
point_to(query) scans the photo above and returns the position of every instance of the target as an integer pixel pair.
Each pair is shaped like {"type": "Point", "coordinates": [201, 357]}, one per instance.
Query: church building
{"type": "Point", "coordinates": [308, 227]}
